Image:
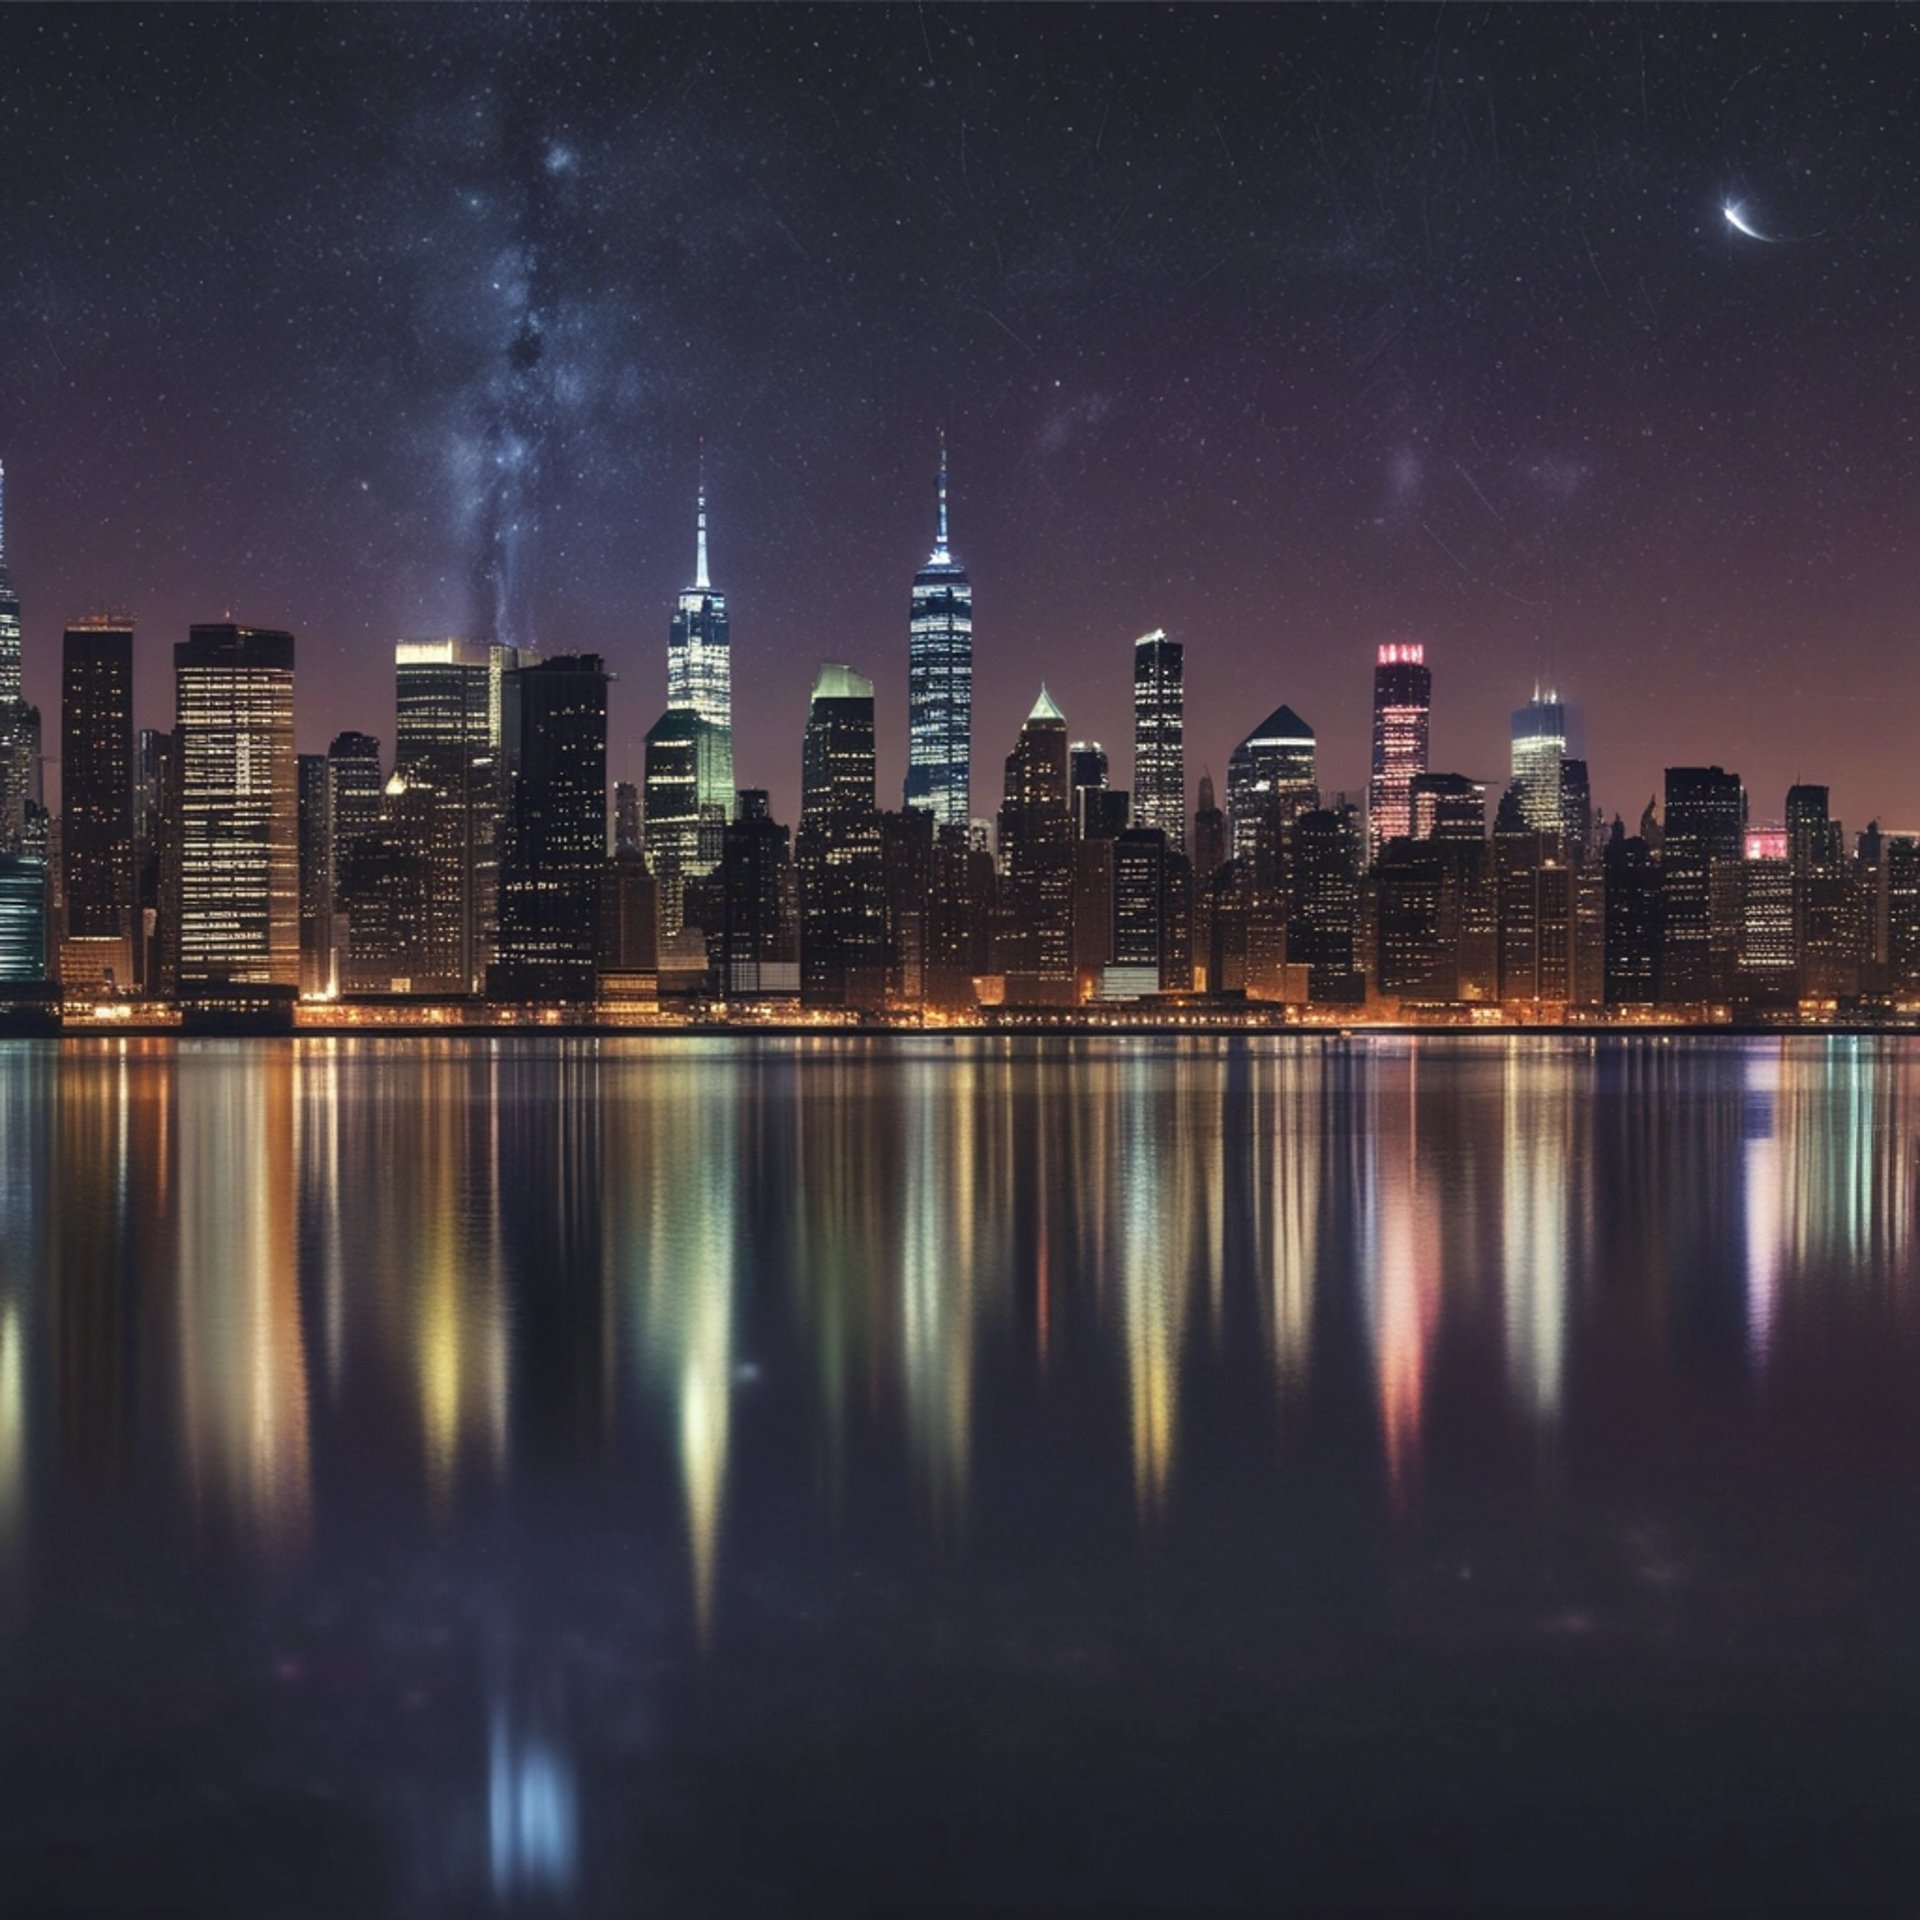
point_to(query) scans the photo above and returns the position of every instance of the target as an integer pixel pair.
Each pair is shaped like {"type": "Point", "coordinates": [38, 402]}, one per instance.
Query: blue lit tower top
{"type": "Point", "coordinates": [940, 681]}
{"type": "Point", "coordinates": [9, 610]}
{"type": "Point", "coordinates": [700, 664]}
{"type": "Point", "coordinates": [1539, 745]}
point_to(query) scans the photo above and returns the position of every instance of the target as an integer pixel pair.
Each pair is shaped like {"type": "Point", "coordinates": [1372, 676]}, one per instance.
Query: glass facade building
{"type": "Point", "coordinates": [940, 681]}
{"type": "Point", "coordinates": [1159, 737]}
{"type": "Point", "coordinates": [700, 671]}
{"type": "Point", "coordinates": [238, 846]}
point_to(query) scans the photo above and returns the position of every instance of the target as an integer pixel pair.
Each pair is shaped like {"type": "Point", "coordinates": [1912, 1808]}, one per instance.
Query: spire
{"type": "Point", "coordinates": [701, 584]}
{"type": "Point", "coordinates": [940, 551]}
{"type": "Point", "coordinates": [3, 520]}
{"type": "Point", "coordinates": [1044, 708]}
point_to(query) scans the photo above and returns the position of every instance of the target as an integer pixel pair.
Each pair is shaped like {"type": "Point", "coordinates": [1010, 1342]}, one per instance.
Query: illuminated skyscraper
{"type": "Point", "coordinates": [1270, 779]}
{"type": "Point", "coordinates": [238, 839]}
{"type": "Point", "coordinates": [700, 670]}
{"type": "Point", "coordinates": [19, 723]}
{"type": "Point", "coordinates": [447, 748]}
{"type": "Point", "coordinates": [940, 680]}
{"type": "Point", "coordinates": [96, 802]}
{"type": "Point", "coordinates": [1538, 747]}
{"type": "Point", "coordinates": [1159, 737]}
{"type": "Point", "coordinates": [9, 610]}
{"type": "Point", "coordinates": [1402, 707]}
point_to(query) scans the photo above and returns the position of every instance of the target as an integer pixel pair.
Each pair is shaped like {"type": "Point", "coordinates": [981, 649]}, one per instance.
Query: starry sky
{"type": "Point", "coordinates": [1290, 330]}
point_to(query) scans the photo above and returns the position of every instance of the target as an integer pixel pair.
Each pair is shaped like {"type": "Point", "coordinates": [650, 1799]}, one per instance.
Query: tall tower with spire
{"type": "Point", "coordinates": [700, 666]}
{"type": "Point", "coordinates": [9, 610]}
{"type": "Point", "coordinates": [940, 681]}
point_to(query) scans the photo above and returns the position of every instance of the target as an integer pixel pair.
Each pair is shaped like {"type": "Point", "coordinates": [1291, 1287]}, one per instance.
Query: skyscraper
{"type": "Point", "coordinates": [96, 803]}
{"type": "Point", "coordinates": [19, 723]}
{"type": "Point", "coordinates": [237, 843]}
{"type": "Point", "coordinates": [9, 610]}
{"type": "Point", "coordinates": [554, 725]}
{"type": "Point", "coordinates": [1402, 707]}
{"type": "Point", "coordinates": [700, 669]}
{"type": "Point", "coordinates": [316, 876]}
{"type": "Point", "coordinates": [682, 833]}
{"type": "Point", "coordinates": [1270, 777]}
{"type": "Point", "coordinates": [1706, 816]}
{"type": "Point", "coordinates": [759, 948]}
{"type": "Point", "coordinates": [1036, 852]}
{"type": "Point", "coordinates": [842, 895]}
{"type": "Point", "coordinates": [940, 680]}
{"type": "Point", "coordinates": [447, 748]}
{"type": "Point", "coordinates": [1538, 745]}
{"type": "Point", "coordinates": [1159, 743]}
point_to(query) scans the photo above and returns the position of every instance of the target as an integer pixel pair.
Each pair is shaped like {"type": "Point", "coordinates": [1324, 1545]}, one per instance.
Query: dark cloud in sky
{"type": "Point", "coordinates": [1287, 330]}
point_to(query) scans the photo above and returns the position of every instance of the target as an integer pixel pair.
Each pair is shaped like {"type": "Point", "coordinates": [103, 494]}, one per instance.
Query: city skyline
{"type": "Point", "coordinates": [1409, 363]}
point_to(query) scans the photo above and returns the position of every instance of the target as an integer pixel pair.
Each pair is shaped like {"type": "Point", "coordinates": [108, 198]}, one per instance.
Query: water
{"type": "Point", "coordinates": [679, 1476]}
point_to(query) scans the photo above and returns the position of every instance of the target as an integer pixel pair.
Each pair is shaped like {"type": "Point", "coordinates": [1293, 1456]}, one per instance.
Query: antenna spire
{"type": "Point", "coordinates": [3, 521]}
{"type": "Point", "coordinates": [940, 545]}
{"type": "Point", "coordinates": [701, 584]}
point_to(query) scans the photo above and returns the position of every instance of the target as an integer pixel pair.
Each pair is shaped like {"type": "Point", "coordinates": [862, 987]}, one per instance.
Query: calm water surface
{"type": "Point", "coordinates": [686, 1476]}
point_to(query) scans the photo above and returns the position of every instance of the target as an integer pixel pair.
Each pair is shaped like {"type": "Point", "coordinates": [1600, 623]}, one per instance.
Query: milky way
{"type": "Point", "coordinates": [1288, 332]}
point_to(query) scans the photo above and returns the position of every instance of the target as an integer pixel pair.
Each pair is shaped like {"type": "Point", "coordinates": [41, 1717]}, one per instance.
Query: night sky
{"type": "Point", "coordinates": [1290, 331]}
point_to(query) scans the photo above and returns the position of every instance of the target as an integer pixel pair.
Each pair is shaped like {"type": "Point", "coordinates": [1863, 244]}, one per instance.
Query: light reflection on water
{"type": "Point", "coordinates": [547, 1369]}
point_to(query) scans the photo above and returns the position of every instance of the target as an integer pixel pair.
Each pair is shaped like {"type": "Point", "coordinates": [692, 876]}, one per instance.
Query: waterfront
{"type": "Point", "coordinates": [437, 1474]}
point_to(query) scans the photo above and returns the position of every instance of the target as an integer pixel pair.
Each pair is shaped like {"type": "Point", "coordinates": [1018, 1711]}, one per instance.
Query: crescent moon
{"type": "Point", "coordinates": [1736, 219]}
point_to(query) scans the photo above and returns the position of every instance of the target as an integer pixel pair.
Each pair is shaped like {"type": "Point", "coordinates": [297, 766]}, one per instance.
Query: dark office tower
{"type": "Point", "coordinates": [155, 810]}
{"type": "Point", "coordinates": [1539, 746]}
{"type": "Point", "coordinates": [1706, 816]}
{"type": "Point", "coordinates": [1519, 851]}
{"type": "Point", "coordinates": [1415, 922]}
{"type": "Point", "coordinates": [842, 897]}
{"type": "Point", "coordinates": [1036, 861]}
{"type": "Point", "coordinates": [1088, 772]}
{"type": "Point", "coordinates": [1271, 778]}
{"type": "Point", "coordinates": [1210, 845]}
{"type": "Point", "coordinates": [1402, 708]}
{"type": "Point", "coordinates": [1448, 806]}
{"type": "Point", "coordinates": [1159, 737]}
{"type": "Point", "coordinates": [957, 918]}
{"type": "Point", "coordinates": [906, 869]}
{"type": "Point", "coordinates": [355, 792]}
{"type": "Point", "coordinates": [1140, 915]}
{"type": "Point", "coordinates": [629, 917]}
{"type": "Point", "coordinates": [447, 748]}
{"type": "Point", "coordinates": [1632, 937]}
{"type": "Point", "coordinates": [388, 878]}
{"type": "Point", "coordinates": [627, 835]}
{"type": "Point", "coordinates": [554, 724]}
{"type": "Point", "coordinates": [940, 680]}
{"type": "Point", "coordinates": [1830, 916]}
{"type": "Point", "coordinates": [239, 832]}
{"type": "Point", "coordinates": [316, 877]}
{"type": "Point", "coordinates": [96, 804]}
{"type": "Point", "coordinates": [1576, 810]}
{"type": "Point", "coordinates": [700, 669]}
{"type": "Point", "coordinates": [759, 950]}
{"type": "Point", "coordinates": [1899, 934]}
{"type": "Point", "coordinates": [1329, 847]}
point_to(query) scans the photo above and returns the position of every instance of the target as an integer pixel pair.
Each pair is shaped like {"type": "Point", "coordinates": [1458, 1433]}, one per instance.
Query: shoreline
{"type": "Point", "coordinates": [1323, 1035]}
